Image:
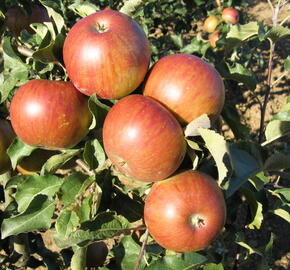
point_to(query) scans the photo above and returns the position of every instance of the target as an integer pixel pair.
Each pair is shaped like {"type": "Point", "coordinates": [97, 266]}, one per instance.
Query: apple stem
{"type": "Point", "coordinates": [142, 250]}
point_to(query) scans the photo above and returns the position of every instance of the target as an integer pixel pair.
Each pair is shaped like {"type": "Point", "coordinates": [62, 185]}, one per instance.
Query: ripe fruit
{"type": "Point", "coordinates": [230, 15]}
{"type": "Point", "coordinates": [50, 114]}
{"type": "Point", "coordinates": [192, 89]}
{"type": "Point", "coordinates": [17, 20]}
{"type": "Point", "coordinates": [185, 212]}
{"type": "Point", "coordinates": [210, 24]}
{"type": "Point", "coordinates": [213, 38]}
{"type": "Point", "coordinates": [142, 139]}
{"type": "Point", "coordinates": [6, 137]}
{"type": "Point", "coordinates": [106, 53]}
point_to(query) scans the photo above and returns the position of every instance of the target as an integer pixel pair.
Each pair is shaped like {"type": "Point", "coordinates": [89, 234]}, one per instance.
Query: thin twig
{"type": "Point", "coordinates": [25, 51]}
{"type": "Point", "coordinates": [84, 166]}
{"type": "Point", "coordinates": [270, 4]}
{"type": "Point", "coordinates": [269, 84]}
{"type": "Point", "coordinates": [142, 250]}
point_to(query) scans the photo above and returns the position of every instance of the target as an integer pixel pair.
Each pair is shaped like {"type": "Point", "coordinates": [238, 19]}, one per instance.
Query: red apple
{"type": "Point", "coordinates": [142, 139]}
{"type": "Point", "coordinates": [17, 20]}
{"type": "Point", "coordinates": [210, 24]}
{"type": "Point", "coordinates": [106, 53]}
{"type": "Point", "coordinates": [230, 15]}
{"type": "Point", "coordinates": [50, 114]}
{"type": "Point", "coordinates": [7, 135]}
{"type": "Point", "coordinates": [186, 212]}
{"type": "Point", "coordinates": [213, 38]}
{"type": "Point", "coordinates": [186, 85]}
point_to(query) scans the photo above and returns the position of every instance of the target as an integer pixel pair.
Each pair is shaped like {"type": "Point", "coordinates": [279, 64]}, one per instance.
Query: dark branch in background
{"type": "Point", "coordinates": [269, 84]}
{"type": "Point", "coordinates": [142, 250]}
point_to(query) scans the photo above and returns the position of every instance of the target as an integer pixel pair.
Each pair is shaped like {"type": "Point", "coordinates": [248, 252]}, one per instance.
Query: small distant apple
{"type": "Point", "coordinates": [210, 24]}
{"type": "Point", "coordinates": [213, 38]}
{"type": "Point", "coordinates": [230, 15]}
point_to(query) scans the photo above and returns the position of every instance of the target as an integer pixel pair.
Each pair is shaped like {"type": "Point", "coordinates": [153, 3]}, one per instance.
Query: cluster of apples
{"type": "Point", "coordinates": [108, 54]}
{"type": "Point", "coordinates": [229, 15]}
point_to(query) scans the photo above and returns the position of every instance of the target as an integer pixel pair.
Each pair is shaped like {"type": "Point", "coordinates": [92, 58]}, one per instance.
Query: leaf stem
{"type": "Point", "coordinates": [142, 250]}
{"type": "Point", "coordinates": [84, 166]}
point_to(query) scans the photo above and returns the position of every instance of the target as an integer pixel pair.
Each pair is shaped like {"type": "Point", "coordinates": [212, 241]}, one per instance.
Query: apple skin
{"type": "Point", "coordinates": [187, 86]}
{"type": "Point", "coordinates": [143, 139]}
{"type": "Point", "coordinates": [7, 135]}
{"type": "Point", "coordinates": [17, 20]}
{"type": "Point", "coordinates": [213, 38]}
{"type": "Point", "coordinates": [106, 53]}
{"type": "Point", "coordinates": [186, 212]}
{"type": "Point", "coordinates": [50, 114]}
{"type": "Point", "coordinates": [210, 24]}
{"type": "Point", "coordinates": [230, 15]}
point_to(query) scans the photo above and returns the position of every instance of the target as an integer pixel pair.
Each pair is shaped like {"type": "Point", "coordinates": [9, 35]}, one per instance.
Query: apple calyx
{"type": "Point", "coordinates": [100, 28]}
{"type": "Point", "coordinates": [197, 221]}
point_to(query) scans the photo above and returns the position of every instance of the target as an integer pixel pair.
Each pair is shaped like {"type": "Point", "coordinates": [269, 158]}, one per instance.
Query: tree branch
{"type": "Point", "coordinates": [142, 250]}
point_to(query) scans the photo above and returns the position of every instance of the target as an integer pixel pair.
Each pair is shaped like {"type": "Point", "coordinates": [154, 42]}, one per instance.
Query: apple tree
{"type": "Point", "coordinates": [113, 150]}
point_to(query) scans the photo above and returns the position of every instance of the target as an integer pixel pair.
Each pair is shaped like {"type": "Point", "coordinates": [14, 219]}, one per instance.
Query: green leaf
{"type": "Point", "coordinates": [183, 261]}
{"type": "Point", "coordinates": [285, 192]}
{"type": "Point", "coordinates": [94, 154]}
{"type": "Point", "coordinates": [277, 32]}
{"type": "Point", "coordinates": [245, 164]}
{"type": "Point", "coordinates": [287, 63]}
{"type": "Point", "coordinates": [57, 161]}
{"type": "Point", "coordinates": [36, 217]}
{"type": "Point", "coordinates": [52, 52]}
{"type": "Point", "coordinates": [72, 186]}
{"type": "Point", "coordinates": [282, 116]}
{"type": "Point", "coordinates": [18, 150]}
{"type": "Point", "coordinates": [238, 73]}
{"type": "Point", "coordinates": [192, 128]}
{"type": "Point", "coordinates": [213, 266]}
{"type": "Point", "coordinates": [105, 225]}
{"type": "Point", "coordinates": [99, 111]}
{"type": "Point", "coordinates": [33, 185]}
{"type": "Point", "coordinates": [239, 33]}
{"type": "Point", "coordinates": [276, 129]}
{"type": "Point", "coordinates": [66, 223]}
{"type": "Point", "coordinates": [177, 40]}
{"type": "Point", "coordinates": [84, 8]}
{"type": "Point", "coordinates": [57, 18]}
{"type": "Point", "coordinates": [126, 253]}
{"type": "Point", "coordinates": [285, 214]}
{"type": "Point", "coordinates": [218, 147]}
{"type": "Point", "coordinates": [256, 208]}
{"type": "Point", "coordinates": [232, 118]}
{"type": "Point", "coordinates": [277, 161]}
